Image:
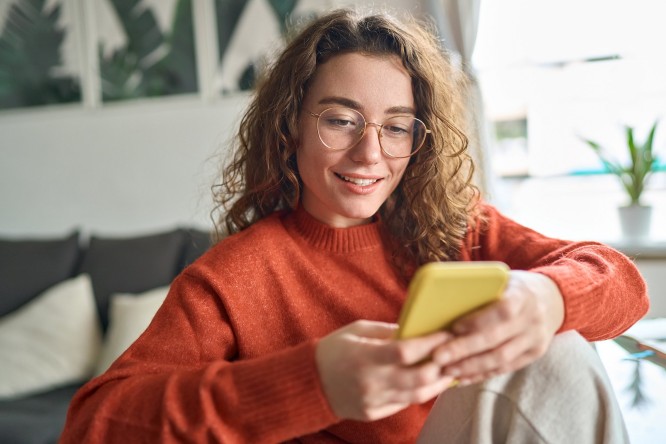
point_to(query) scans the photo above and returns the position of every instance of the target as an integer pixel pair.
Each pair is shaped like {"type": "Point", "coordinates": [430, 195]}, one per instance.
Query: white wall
{"type": "Point", "coordinates": [132, 166]}
{"type": "Point", "coordinates": [121, 169]}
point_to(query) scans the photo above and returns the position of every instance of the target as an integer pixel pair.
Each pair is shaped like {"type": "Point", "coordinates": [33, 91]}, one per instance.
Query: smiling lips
{"type": "Point", "coordinates": [357, 180]}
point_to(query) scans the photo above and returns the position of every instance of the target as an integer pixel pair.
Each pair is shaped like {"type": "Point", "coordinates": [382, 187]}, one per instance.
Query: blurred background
{"type": "Point", "coordinates": [115, 114]}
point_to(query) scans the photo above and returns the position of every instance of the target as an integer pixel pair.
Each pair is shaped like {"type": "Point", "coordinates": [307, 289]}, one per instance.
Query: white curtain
{"type": "Point", "coordinates": [457, 22]}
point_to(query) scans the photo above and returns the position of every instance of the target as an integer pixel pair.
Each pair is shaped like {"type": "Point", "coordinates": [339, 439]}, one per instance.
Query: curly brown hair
{"type": "Point", "coordinates": [429, 212]}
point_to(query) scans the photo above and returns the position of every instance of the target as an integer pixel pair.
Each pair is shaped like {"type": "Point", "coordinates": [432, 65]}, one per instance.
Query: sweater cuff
{"type": "Point", "coordinates": [280, 394]}
{"type": "Point", "coordinates": [575, 296]}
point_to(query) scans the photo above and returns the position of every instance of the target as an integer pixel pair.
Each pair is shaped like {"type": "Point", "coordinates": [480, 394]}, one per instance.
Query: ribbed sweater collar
{"type": "Point", "coordinates": [336, 240]}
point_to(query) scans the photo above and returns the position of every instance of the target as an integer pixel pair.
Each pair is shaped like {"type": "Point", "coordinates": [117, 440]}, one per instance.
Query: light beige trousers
{"type": "Point", "coordinates": [564, 397]}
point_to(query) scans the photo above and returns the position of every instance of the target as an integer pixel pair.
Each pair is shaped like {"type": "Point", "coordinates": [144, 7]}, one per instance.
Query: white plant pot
{"type": "Point", "coordinates": [635, 221]}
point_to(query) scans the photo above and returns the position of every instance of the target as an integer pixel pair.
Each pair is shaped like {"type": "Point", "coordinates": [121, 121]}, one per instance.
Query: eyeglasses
{"type": "Point", "coordinates": [341, 128]}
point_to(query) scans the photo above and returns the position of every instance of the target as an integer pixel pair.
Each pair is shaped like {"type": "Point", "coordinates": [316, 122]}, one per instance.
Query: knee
{"type": "Point", "coordinates": [570, 345]}
{"type": "Point", "coordinates": [572, 363]}
{"type": "Point", "coordinates": [570, 351]}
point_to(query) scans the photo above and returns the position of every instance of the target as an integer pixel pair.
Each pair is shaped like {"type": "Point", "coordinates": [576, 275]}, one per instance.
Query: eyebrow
{"type": "Point", "coordinates": [349, 103]}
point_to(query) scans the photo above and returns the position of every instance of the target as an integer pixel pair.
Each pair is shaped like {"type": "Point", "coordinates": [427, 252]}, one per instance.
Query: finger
{"type": "Point", "coordinates": [405, 352]}
{"type": "Point", "coordinates": [463, 347]}
{"type": "Point", "coordinates": [408, 378]}
{"type": "Point", "coordinates": [424, 393]}
{"type": "Point", "coordinates": [520, 362]}
{"type": "Point", "coordinates": [389, 381]}
{"type": "Point", "coordinates": [494, 314]}
{"type": "Point", "coordinates": [494, 360]}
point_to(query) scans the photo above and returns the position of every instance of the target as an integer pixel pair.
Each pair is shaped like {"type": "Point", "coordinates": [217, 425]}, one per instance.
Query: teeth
{"type": "Point", "coordinates": [356, 181]}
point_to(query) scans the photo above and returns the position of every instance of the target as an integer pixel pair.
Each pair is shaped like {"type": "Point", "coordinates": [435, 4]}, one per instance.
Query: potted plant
{"type": "Point", "coordinates": [634, 217]}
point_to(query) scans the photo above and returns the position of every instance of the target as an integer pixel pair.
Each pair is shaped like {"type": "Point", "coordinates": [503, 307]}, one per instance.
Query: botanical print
{"type": "Point", "coordinates": [153, 60]}
{"type": "Point", "coordinates": [142, 48]}
{"type": "Point", "coordinates": [33, 40]}
{"type": "Point", "coordinates": [248, 31]}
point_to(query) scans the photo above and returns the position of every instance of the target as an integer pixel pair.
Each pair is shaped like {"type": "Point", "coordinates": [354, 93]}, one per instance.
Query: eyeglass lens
{"type": "Point", "coordinates": [342, 128]}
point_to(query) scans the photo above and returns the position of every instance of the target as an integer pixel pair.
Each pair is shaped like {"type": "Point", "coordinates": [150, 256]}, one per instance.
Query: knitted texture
{"type": "Point", "coordinates": [230, 356]}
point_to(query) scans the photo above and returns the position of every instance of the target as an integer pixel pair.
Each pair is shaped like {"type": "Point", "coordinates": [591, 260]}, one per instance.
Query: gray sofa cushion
{"type": "Point", "coordinates": [28, 267]}
{"type": "Point", "coordinates": [37, 419]}
{"type": "Point", "coordinates": [116, 265]}
{"type": "Point", "coordinates": [197, 242]}
{"type": "Point", "coordinates": [131, 265]}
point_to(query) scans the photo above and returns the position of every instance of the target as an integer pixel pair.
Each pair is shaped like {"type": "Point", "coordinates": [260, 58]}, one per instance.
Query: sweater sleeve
{"type": "Point", "coordinates": [179, 382]}
{"type": "Point", "coordinates": [604, 293]}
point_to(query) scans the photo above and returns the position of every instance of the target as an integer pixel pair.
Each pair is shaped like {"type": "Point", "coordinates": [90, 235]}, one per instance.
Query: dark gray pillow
{"type": "Point", "coordinates": [131, 265]}
{"type": "Point", "coordinates": [197, 242]}
{"type": "Point", "coordinates": [30, 266]}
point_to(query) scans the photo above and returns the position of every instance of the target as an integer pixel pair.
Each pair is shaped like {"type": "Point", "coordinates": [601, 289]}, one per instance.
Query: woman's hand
{"type": "Point", "coordinates": [507, 335]}
{"type": "Point", "coordinates": [367, 374]}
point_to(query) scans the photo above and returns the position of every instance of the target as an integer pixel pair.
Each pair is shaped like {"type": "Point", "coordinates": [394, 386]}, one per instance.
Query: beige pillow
{"type": "Point", "coordinates": [129, 316]}
{"type": "Point", "coordinates": [51, 341]}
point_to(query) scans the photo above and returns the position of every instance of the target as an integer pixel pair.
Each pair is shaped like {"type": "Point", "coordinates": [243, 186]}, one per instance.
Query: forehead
{"type": "Point", "coordinates": [375, 82]}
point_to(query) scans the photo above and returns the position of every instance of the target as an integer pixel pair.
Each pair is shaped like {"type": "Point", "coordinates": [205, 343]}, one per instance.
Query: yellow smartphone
{"type": "Point", "coordinates": [441, 292]}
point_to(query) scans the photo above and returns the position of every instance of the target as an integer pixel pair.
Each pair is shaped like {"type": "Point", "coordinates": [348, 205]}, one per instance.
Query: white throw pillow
{"type": "Point", "coordinates": [129, 316]}
{"type": "Point", "coordinates": [51, 341]}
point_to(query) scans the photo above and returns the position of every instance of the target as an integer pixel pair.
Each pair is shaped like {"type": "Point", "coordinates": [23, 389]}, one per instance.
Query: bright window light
{"type": "Point", "coordinates": [570, 69]}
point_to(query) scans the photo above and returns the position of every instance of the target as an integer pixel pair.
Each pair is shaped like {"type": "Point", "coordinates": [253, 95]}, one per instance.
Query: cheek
{"type": "Point", "coordinates": [400, 168]}
{"type": "Point", "coordinates": [397, 173]}
{"type": "Point", "coordinates": [309, 167]}
{"type": "Point", "coordinates": [308, 135]}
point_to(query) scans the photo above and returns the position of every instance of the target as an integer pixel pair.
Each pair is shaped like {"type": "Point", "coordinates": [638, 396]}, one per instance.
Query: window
{"type": "Point", "coordinates": [553, 72]}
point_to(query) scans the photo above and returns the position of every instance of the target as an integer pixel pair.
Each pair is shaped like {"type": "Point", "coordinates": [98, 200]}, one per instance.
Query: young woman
{"type": "Point", "coordinates": [350, 171]}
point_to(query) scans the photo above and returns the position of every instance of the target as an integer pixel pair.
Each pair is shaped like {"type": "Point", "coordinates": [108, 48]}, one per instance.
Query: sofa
{"type": "Point", "coordinates": [68, 307]}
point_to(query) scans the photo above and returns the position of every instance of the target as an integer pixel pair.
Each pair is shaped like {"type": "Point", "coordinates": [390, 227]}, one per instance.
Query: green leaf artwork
{"type": "Point", "coordinates": [228, 13]}
{"type": "Point", "coordinates": [30, 57]}
{"type": "Point", "coordinates": [151, 63]}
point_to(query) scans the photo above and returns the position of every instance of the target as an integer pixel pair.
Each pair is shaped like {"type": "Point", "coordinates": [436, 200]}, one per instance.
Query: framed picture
{"type": "Point", "coordinates": [39, 57]}
{"type": "Point", "coordinates": [95, 52]}
{"type": "Point", "coordinates": [145, 48]}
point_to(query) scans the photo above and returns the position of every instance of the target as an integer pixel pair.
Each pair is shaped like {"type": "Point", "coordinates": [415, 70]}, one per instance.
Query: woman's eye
{"type": "Point", "coordinates": [395, 130]}
{"type": "Point", "coordinates": [340, 122]}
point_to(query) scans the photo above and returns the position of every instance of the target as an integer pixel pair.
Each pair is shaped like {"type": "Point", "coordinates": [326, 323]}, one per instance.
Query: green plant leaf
{"type": "Point", "coordinates": [140, 26]}
{"type": "Point", "coordinates": [126, 73]}
{"type": "Point", "coordinates": [152, 63]}
{"type": "Point", "coordinates": [649, 153]}
{"type": "Point", "coordinates": [611, 165]}
{"type": "Point", "coordinates": [179, 65]}
{"type": "Point", "coordinates": [282, 10]}
{"type": "Point", "coordinates": [30, 46]}
{"type": "Point", "coordinates": [119, 74]}
{"type": "Point", "coordinates": [227, 13]}
{"type": "Point", "coordinates": [634, 176]}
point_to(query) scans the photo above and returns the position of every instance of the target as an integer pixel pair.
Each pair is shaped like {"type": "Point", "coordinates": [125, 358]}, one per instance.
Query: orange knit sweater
{"type": "Point", "coordinates": [229, 357]}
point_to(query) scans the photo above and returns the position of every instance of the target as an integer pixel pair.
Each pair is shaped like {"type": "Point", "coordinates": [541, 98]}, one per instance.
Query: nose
{"type": "Point", "coordinates": [368, 150]}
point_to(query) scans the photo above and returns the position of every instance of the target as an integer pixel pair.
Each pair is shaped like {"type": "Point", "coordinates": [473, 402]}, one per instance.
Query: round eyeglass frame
{"type": "Point", "coordinates": [378, 126]}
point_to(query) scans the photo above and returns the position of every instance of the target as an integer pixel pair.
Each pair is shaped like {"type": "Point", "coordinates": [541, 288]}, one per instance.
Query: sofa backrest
{"type": "Point", "coordinates": [115, 264]}
{"type": "Point", "coordinates": [30, 266]}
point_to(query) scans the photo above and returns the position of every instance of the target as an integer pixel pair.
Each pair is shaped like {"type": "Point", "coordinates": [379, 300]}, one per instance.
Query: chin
{"type": "Point", "coordinates": [360, 212]}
